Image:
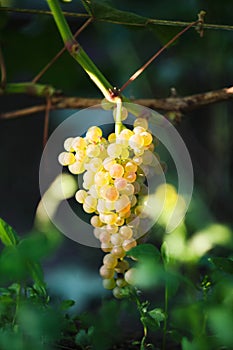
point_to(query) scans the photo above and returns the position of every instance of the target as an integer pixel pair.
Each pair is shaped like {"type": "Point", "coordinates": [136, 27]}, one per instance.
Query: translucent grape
{"type": "Point", "coordinates": [116, 171]}
{"type": "Point", "coordinates": [126, 232]}
{"type": "Point", "coordinates": [114, 150]}
{"type": "Point", "coordinates": [116, 239]}
{"type": "Point", "coordinates": [130, 276]}
{"type": "Point", "coordinates": [128, 190]}
{"type": "Point", "coordinates": [111, 229]}
{"type": "Point", "coordinates": [110, 218]}
{"type": "Point", "coordinates": [93, 151]}
{"type": "Point", "coordinates": [80, 196]}
{"type": "Point", "coordinates": [141, 122]}
{"type": "Point", "coordinates": [147, 157]}
{"type": "Point", "coordinates": [120, 183]}
{"type": "Point", "coordinates": [120, 282]}
{"type": "Point", "coordinates": [81, 155]}
{"type": "Point", "coordinates": [137, 160]}
{"type": "Point", "coordinates": [66, 158]}
{"type": "Point", "coordinates": [104, 236]}
{"type": "Point", "coordinates": [112, 138]}
{"type": "Point", "coordinates": [95, 221]}
{"type": "Point", "coordinates": [76, 168]}
{"type": "Point", "coordinates": [94, 134]}
{"type": "Point", "coordinates": [119, 221]}
{"type": "Point", "coordinates": [111, 193]}
{"type": "Point", "coordinates": [110, 261]}
{"type": "Point", "coordinates": [122, 202]}
{"type": "Point", "coordinates": [147, 138]}
{"type": "Point", "coordinates": [68, 144]}
{"type": "Point", "coordinates": [138, 130]}
{"type": "Point", "coordinates": [124, 153]}
{"type": "Point", "coordinates": [106, 273]}
{"type": "Point", "coordinates": [122, 266]}
{"type": "Point", "coordinates": [108, 163]}
{"type": "Point", "coordinates": [79, 143]}
{"type": "Point", "coordinates": [102, 178]}
{"type": "Point", "coordinates": [130, 166]}
{"type": "Point", "coordinates": [106, 247]}
{"type": "Point", "coordinates": [109, 283]}
{"type": "Point", "coordinates": [136, 141]}
{"type": "Point", "coordinates": [129, 244]}
{"type": "Point", "coordinates": [118, 293]}
{"type": "Point", "coordinates": [93, 191]}
{"type": "Point", "coordinates": [130, 176]}
{"type": "Point", "coordinates": [118, 251]}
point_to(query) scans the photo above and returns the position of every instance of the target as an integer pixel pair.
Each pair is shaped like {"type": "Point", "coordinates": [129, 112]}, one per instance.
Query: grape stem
{"type": "Point", "coordinates": [118, 123]}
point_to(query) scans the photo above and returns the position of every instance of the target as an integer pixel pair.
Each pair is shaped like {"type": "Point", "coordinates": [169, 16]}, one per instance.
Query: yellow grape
{"type": "Point", "coordinates": [76, 168]}
{"type": "Point", "coordinates": [122, 266]}
{"type": "Point", "coordinates": [79, 143]}
{"type": "Point", "coordinates": [136, 141]}
{"type": "Point", "coordinates": [116, 239]}
{"type": "Point", "coordinates": [126, 232]}
{"type": "Point", "coordinates": [120, 183]}
{"type": "Point", "coordinates": [68, 144]}
{"type": "Point", "coordinates": [128, 244]}
{"type": "Point", "coordinates": [106, 273]}
{"type": "Point", "coordinates": [116, 171]}
{"type": "Point", "coordinates": [147, 138]}
{"type": "Point", "coordinates": [130, 176]}
{"type": "Point", "coordinates": [110, 261]}
{"type": "Point", "coordinates": [111, 193]}
{"type": "Point", "coordinates": [141, 122]}
{"type": "Point", "coordinates": [112, 138]}
{"type": "Point", "coordinates": [102, 178]}
{"type": "Point", "coordinates": [108, 163]}
{"type": "Point", "coordinates": [109, 283]}
{"type": "Point", "coordinates": [94, 134]}
{"type": "Point", "coordinates": [66, 158]}
{"type": "Point", "coordinates": [118, 251]}
{"type": "Point", "coordinates": [95, 221]}
{"type": "Point", "coordinates": [131, 166]}
{"type": "Point", "coordinates": [81, 155]}
{"type": "Point", "coordinates": [80, 196]}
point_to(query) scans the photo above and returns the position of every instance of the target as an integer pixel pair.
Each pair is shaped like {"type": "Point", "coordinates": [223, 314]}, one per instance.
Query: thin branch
{"type": "Point", "coordinates": [177, 105]}
{"type": "Point", "coordinates": [147, 22]}
{"type": "Point", "coordinates": [55, 58]}
{"type": "Point", "coordinates": [141, 70]}
{"type": "Point", "coordinates": [2, 69]}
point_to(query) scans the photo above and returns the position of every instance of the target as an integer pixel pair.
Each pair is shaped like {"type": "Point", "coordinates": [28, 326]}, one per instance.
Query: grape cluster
{"type": "Point", "coordinates": [113, 190]}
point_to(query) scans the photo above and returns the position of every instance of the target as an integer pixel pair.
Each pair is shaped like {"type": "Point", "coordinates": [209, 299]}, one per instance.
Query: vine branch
{"type": "Point", "coordinates": [176, 105]}
{"type": "Point", "coordinates": [121, 21]}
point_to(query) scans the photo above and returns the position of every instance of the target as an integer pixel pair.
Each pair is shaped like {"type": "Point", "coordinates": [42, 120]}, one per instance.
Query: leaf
{"type": "Point", "coordinates": [223, 264]}
{"type": "Point", "coordinates": [101, 10]}
{"type": "Point", "coordinates": [83, 338]}
{"type": "Point", "coordinates": [7, 234]}
{"type": "Point", "coordinates": [66, 304]}
{"type": "Point", "coordinates": [157, 314]}
{"type": "Point", "coordinates": [165, 252]}
{"type": "Point", "coordinates": [37, 274]}
{"type": "Point", "coordinates": [144, 251]}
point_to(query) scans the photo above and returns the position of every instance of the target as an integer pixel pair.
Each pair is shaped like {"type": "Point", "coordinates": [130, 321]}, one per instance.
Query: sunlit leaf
{"type": "Point", "coordinates": [8, 235]}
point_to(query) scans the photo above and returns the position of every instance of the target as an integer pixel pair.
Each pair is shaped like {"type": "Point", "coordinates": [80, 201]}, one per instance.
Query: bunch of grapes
{"type": "Point", "coordinates": [113, 190]}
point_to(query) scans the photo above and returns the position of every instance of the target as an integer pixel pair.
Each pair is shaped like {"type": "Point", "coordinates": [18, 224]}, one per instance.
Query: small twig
{"type": "Point", "coordinates": [46, 121]}
{"type": "Point", "coordinates": [55, 58]}
{"type": "Point", "coordinates": [3, 69]}
{"type": "Point", "coordinates": [141, 70]}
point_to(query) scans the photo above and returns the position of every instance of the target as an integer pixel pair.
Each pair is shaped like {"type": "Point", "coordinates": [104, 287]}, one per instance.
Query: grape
{"type": "Point", "coordinates": [80, 196]}
{"type": "Point", "coordinates": [138, 130]}
{"type": "Point", "coordinates": [136, 141]}
{"type": "Point", "coordinates": [137, 160]}
{"type": "Point", "coordinates": [141, 122]}
{"type": "Point", "coordinates": [88, 209]}
{"type": "Point", "coordinates": [76, 168]}
{"type": "Point", "coordinates": [130, 276]}
{"type": "Point", "coordinates": [106, 247]}
{"type": "Point", "coordinates": [124, 153]}
{"type": "Point", "coordinates": [91, 202]}
{"type": "Point", "coordinates": [111, 229]}
{"type": "Point", "coordinates": [109, 205]}
{"type": "Point", "coordinates": [94, 134]}
{"type": "Point", "coordinates": [136, 187]}
{"type": "Point", "coordinates": [116, 239]}
{"type": "Point", "coordinates": [114, 150]}
{"type": "Point", "coordinates": [66, 158]}
{"type": "Point", "coordinates": [79, 143]}
{"type": "Point", "coordinates": [106, 273]}
{"type": "Point", "coordinates": [110, 261]}
{"type": "Point", "coordinates": [106, 105]}
{"type": "Point", "coordinates": [130, 176]}
{"type": "Point", "coordinates": [81, 155]}
{"type": "Point", "coordinates": [120, 282]}
{"type": "Point", "coordinates": [108, 163]}
{"type": "Point", "coordinates": [122, 266]}
{"type": "Point", "coordinates": [122, 202]}
{"type": "Point", "coordinates": [116, 170]}
{"type": "Point", "coordinates": [93, 191]}
{"type": "Point", "coordinates": [133, 201]}
{"type": "Point", "coordinates": [88, 178]}
{"type": "Point", "coordinates": [102, 178]}
{"type": "Point", "coordinates": [111, 193]}
{"type": "Point", "coordinates": [147, 157]}
{"type": "Point", "coordinates": [128, 190]}
{"type": "Point", "coordinates": [104, 237]}
{"type": "Point", "coordinates": [119, 221]}
{"type": "Point", "coordinates": [109, 283]}
{"type": "Point", "coordinates": [93, 151]}
{"type": "Point", "coordinates": [117, 292]}
{"type": "Point", "coordinates": [130, 166]}
{"type": "Point", "coordinates": [147, 138]}
{"type": "Point", "coordinates": [126, 232]}
{"type": "Point", "coordinates": [68, 144]}
{"type": "Point", "coordinates": [95, 221]}
{"type": "Point", "coordinates": [118, 251]}
{"type": "Point", "coordinates": [120, 183]}
{"type": "Point", "coordinates": [128, 244]}
{"type": "Point", "coordinates": [110, 219]}
{"type": "Point", "coordinates": [112, 138]}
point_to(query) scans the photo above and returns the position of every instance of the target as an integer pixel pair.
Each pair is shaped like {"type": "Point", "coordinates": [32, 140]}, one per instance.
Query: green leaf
{"type": "Point", "coordinates": [223, 264]}
{"type": "Point", "coordinates": [37, 274]}
{"type": "Point", "coordinates": [165, 252]}
{"type": "Point", "coordinates": [7, 234]}
{"type": "Point", "coordinates": [157, 314]}
{"type": "Point", "coordinates": [144, 251]}
{"type": "Point", "coordinates": [66, 304]}
{"type": "Point", "coordinates": [101, 10]}
{"type": "Point", "coordinates": [83, 338]}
